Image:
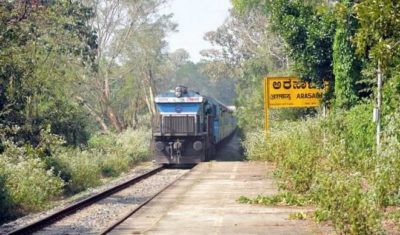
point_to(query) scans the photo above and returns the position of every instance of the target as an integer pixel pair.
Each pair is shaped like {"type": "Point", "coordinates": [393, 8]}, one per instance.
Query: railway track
{"type": "Point", "coordinates": [132, 198]}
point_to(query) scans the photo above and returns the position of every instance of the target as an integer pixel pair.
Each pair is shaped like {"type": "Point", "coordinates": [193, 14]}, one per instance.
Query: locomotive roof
{"type": "Point", "coordinates": [185, 97]}
{"type": "Point", "coordinates": [188, 97]}
{"type": "Point", "coordinates": [171, 93]}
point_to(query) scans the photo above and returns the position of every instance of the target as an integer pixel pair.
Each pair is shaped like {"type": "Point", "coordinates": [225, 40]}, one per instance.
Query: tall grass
{"type": "Point", "coordinates": [333, 161]}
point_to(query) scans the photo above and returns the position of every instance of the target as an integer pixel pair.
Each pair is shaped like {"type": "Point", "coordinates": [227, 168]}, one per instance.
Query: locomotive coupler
{"type": "Point", "coordinates": [176, 147]}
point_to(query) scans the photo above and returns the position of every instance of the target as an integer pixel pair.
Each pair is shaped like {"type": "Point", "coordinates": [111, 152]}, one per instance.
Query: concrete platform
{"type": "Point", "coordinates": [204, 202]}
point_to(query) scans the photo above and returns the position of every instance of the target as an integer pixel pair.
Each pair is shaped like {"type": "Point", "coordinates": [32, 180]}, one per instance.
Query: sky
{"type": "Point", "coordinates": [194, 19]}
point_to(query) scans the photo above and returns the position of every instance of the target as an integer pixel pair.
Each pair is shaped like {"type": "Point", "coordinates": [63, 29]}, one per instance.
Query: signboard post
{"type": "Point", "coordinates": [289, 92]}
{"type": "Point", "coordinates": [266, 107]}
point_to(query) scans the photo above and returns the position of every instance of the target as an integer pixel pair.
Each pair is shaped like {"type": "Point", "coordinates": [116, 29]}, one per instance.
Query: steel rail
{"type": "Point", "coordinates": [58, 215]}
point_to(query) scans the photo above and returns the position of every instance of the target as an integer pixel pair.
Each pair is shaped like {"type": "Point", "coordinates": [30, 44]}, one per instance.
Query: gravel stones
{"type": "Point", "coordinates": [95, 218]}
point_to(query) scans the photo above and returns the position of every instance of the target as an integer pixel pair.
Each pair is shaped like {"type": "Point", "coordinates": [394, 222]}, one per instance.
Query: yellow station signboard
{"type": "Point", "coordinates": [290, 92]}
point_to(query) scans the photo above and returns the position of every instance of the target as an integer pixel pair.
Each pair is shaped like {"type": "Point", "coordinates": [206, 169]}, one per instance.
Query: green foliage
{"type": "Point", "coordinates": [309, 33]}
{"type": "Point", "coordinates": [387, 177]}
{"type": "Point", "coordinates": [350, 139]}
{"type": "Point", "coordinates": [298, 216]}
{"type": "Point", "coordinates": [132, 143]}
{"type": "Point", "coordinates": [5, 199]}
{"type": "Point", "coordinates": [255, 146]}
{"type": "Point", "coordinates": [249, 109]}
{"type": "Point", "coordinates": [349, 204]}
{"type": "Point", "coordinates": [107, 155]}
{"type": "Point", "coordinates": [282, 198]}
{"type": "Point", "coordinates": [334, 159]}
{"type": "Point", "coordinates": [379, 31]}
{"type": "Point", "coordinates": [193, 76]}
{"type": "Point", "coordinates": [308, 29]}
{"type": "Point", "coordinates": [81, 167]}
{"type": "Point", "coordinates": [346, 67]}
{"type": "Point", "coordinates": [241, 5]}
{"type": "Point", "coordinates": [29, 183]}
{"type": "Point", "coordinates": [31, 176]}
{"type": "Point", "coordinates": [333, 162]}
{"type": "Point", "coordinates": [294, 146]}
{"type": "Point", "coordinates": [42, 47]}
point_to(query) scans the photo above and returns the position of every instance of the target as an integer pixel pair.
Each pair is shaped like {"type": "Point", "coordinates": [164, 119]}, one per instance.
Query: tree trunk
{"type": "Point", "coordinates": [135, 108]}
{"type": "Point", "coordinates": [149, 91]}
{"type": "Point", "coordinates": [115, 122]}
{"type": "Point", "coordinates": [110, 113]}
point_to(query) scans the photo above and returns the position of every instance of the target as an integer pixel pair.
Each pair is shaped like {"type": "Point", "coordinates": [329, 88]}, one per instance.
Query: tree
{"type": "Point", "coordinates": [307, 29]}
{"type": "Point", "coordinates": [378, 35]}
{"type": "Point", "coordinates": [42, 42]}
{"type": "Point", "coordinates": [346, 65]}
{"type": "Point", "coordinates": [181, 71]}
{"type": "Point", "coordinates": [131, 41]}
{"type": "Point", "coordinates": [245, 50]}
{"type": "Point", "coordinates": [243, 38]}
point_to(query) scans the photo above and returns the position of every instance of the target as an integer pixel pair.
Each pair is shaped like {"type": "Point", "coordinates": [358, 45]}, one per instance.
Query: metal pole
{"type": "Point", "coordinates": [266, 106]}
{"type": "Point", "coordinates": [378, 108]}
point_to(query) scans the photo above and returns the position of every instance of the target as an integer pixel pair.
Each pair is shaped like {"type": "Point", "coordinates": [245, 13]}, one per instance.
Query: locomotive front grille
{"type": "Point", "coordinates": [178, 124]}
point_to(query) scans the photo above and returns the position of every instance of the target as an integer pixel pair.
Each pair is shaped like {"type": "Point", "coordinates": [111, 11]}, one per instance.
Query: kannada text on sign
{"type": "Point", "coordinates": [291, 92]}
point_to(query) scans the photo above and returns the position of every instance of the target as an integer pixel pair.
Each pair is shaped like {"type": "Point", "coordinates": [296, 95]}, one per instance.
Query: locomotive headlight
{"type": "Point", "coordinates": [159, 146]}
{"type": "Point", "coordinates": [197, 145]}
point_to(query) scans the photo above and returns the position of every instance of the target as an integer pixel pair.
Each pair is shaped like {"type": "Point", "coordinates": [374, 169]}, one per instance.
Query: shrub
{"type": "Point", "coordinates": [102, 142]}
{"type": "Point", "coordinates": [30, 176]}
{"type": "Point", "coordinates": [134, 144]}
{"type": "Point", "coordinates": [282, 198]}
{"type": "Point", "coordinates": [118, 152]}
{"type": "Point", "coordinates": [5, 199]}
{"type": "Point", "coordinates": [82, 167]}
{"type": "Point", "coordinates": [333, 161]}
{"type": "Point", "coordinates": [113, 165]}
{"type": "Point", "coordinates": [294, 146]}
{"type": "Point", "coordinates": [348, 203]}
{"type": "Point", "coordinates": [29, 183]}
{"type": "Point", "coordinates": [106, 155]}
{"type": "Point", "coordinates": [387, 177]}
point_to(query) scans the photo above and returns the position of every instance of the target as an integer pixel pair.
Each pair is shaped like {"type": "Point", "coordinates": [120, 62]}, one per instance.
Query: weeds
{"type": "Point", "coordinates": [283, 198]}
{"type": "Point", "coordinates": [333, 161]}
{"type": "Point", "coordinates": [32, 176]}
{"type": "Point", "coordinates": [298, 216]}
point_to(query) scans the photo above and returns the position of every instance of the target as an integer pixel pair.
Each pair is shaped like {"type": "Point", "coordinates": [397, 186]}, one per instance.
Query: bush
{"type": "Point", "coordinates": [5, 199]}
{"type": "Point", "coordinates": [82, 167]}
{"type": "Point", "coordinates": [294, 146]}
{"type": "Point", "coordinates": [29, 183]}
{"type": "Point", "coordinates": [333, 161]}
{"type": "Point", "coordinates": [106, 155]}
{"type": "Point", "coordinates": [282, 198]}
{"type": "Point", "coordinates": [134, 144]}
{"type": "Point", "coordinates": [118, 152]}
{"type": "Point", "coordinates": [348, 202]}
{"type": "Point", "coordinates": [30, 176]}
{"type": "Point", "coordinates": [113, 165]}
{"type": "Point", "coordinates": [387, 177]}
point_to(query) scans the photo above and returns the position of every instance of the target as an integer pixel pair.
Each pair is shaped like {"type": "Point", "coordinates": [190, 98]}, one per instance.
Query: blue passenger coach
{"type": "Point", "coordinates": [188, 126]}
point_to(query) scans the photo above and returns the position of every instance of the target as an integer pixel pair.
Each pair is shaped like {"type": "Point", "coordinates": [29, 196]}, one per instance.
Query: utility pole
{"type": "Point", "coordinates": [378, 109]}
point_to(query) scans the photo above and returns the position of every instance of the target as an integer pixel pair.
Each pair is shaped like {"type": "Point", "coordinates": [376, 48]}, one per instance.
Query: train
{"type": "Point", "coordinates": [187, 126]}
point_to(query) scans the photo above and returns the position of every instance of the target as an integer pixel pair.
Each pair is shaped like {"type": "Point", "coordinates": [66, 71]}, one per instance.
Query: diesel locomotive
{"type": "Point", "coordinates": [188, 126]}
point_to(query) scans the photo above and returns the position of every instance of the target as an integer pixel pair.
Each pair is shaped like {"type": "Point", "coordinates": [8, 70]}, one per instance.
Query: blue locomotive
{"type": "Point", "coordinates": [188, 126]}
